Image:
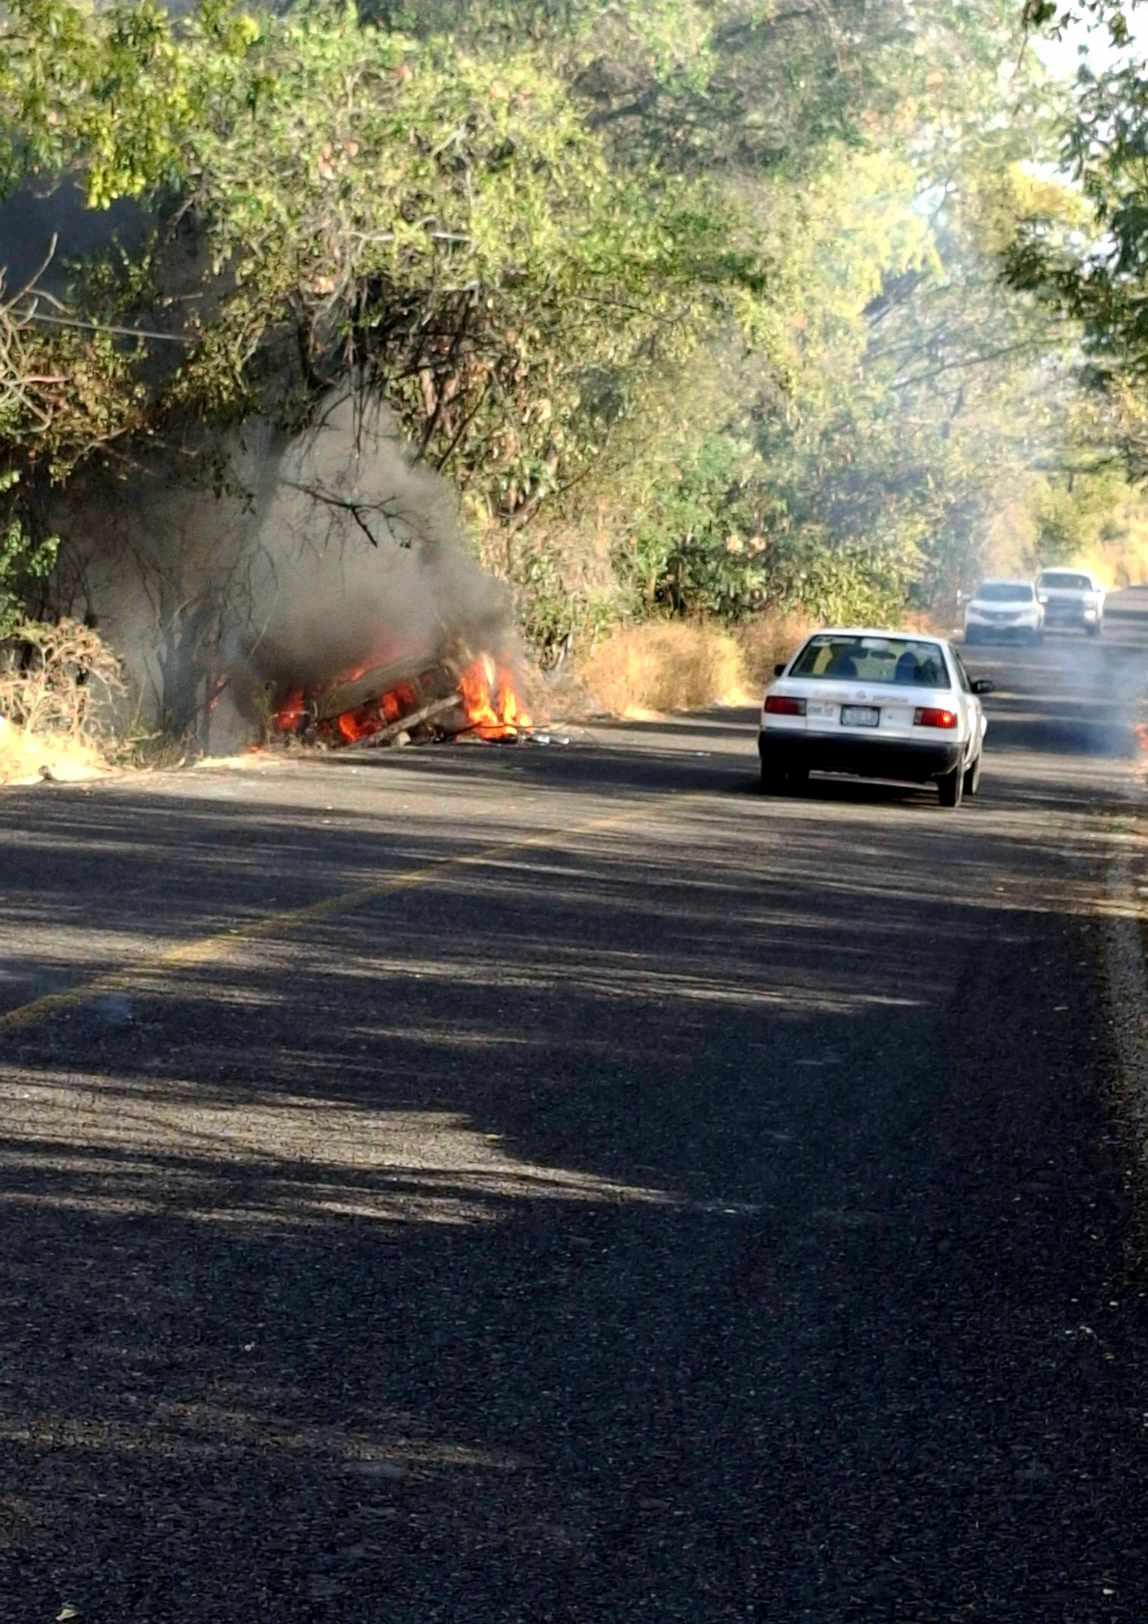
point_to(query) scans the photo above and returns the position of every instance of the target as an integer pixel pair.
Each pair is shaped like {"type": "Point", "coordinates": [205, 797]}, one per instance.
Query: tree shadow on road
{"type": "Point", "coordinates": [591, 1236]}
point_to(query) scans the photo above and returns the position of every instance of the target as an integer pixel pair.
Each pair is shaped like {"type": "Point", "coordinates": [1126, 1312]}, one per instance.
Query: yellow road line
{"type": "Point", "coordinates": [222, 944]}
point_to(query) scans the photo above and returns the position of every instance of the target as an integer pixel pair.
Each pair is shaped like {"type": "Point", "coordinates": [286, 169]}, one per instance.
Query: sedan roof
{"type": "Point", "coordinates": [877, 631]}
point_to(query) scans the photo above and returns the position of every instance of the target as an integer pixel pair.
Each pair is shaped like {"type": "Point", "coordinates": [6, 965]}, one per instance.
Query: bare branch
{"type": "Point", "coordinates": [1041, 344]}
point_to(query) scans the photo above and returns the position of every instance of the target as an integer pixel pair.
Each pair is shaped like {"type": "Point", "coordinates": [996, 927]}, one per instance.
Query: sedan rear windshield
{"type": "Point", "coordinates": [873, 659]}
{"type": "Point", "coordinates": [1067, 582]}
{"type": "Point", "coordinates": [1005, 592]}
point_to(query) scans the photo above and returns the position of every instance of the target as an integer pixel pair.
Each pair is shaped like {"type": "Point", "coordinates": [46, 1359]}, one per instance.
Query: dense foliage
{"type": "Point", "coordinates": [1094, 269]}
{"type": "Point", "coordinates": [697, 305]}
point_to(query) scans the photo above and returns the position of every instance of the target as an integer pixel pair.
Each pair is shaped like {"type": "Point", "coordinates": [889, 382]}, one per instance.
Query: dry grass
{"type": "Point", "coordinates": [687, 665]}
{"type": "Point", "coordinates": [28, 758]}
{"type": "Point", "coordinates": [769, 639]}
{"type": "Point", "coordinates": [664, 666]}
{"type": "Point", "coordinates": [766, 640]}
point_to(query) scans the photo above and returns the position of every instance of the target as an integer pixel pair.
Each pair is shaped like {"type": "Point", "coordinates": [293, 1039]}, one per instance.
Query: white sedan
{"type": "Point", "coordinates": [876, 704]}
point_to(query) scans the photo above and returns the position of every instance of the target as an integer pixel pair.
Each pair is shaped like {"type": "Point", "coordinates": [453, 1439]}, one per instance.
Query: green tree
{"type": "Point", "coordinates": [695, 302]}
{"type": "Point", "coordinates": [23, 562]}
{"type": "Point", "coordinates": [444, 219]}
{"type": "Point", "coordinates": [1095, 269]}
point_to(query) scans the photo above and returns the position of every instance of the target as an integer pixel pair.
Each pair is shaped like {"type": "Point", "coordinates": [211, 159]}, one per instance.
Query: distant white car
{"type": "Point", "coordinates": [1004, 609]}
{"type": "Point", "coordinates": [876, 704]}
{"type": "Point", "coordinates": [1072, 598]}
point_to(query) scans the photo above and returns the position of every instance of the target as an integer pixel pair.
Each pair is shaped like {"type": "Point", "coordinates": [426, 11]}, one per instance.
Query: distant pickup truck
{"type": "Point", "coordinates": [1071, 598]}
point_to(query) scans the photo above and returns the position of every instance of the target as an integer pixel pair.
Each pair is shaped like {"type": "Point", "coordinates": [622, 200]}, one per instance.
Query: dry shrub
{"type": "Point", "coordinates": [57, 683]}
{"type": "Point", "coordinates": [1116, 564]}
{"type": "Point", "coordinates": [768, 639]}
{"type": "Point", "coordinates": [58, 679]}
{"type": "Point", "coordinates": [929, 624]}
{"type": "Point", "coordinates": [553, 695]}
{"type": "Point", "coordinates": [664, 666]}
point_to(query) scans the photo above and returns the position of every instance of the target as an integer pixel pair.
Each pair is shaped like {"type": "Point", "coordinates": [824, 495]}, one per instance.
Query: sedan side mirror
{"type": "Point", "coordinates": [779, 668]}
{"type": "Point", "coordinates": [984, 685]}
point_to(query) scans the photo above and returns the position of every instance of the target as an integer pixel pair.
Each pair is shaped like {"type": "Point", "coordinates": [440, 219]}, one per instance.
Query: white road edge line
{"type": "Point", "coordinates": [1126, 986]}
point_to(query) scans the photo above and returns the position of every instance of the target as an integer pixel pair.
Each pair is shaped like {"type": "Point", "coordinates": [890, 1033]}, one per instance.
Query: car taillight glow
{"type": "Point", "coordinates": [782, 705]}
{"type": "Point", "coordinates": [934, 718]}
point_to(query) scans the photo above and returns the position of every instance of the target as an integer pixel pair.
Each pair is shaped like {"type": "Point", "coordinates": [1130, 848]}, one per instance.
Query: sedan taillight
{"type": "Point", "coordinates": [782, 705]}
{"type": "Point", "coordinates": [934, 718]}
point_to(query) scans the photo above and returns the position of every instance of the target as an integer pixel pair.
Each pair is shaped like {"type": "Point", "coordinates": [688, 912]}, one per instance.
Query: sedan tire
{"type": "Point", "coordinates": [973, 775]}
{"type": "Point", "coordinates": [952, 786]}
{"type": "Point", "coordinates": [774, 779]}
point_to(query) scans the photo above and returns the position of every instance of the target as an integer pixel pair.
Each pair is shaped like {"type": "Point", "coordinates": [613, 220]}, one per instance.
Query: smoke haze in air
{"type": "Point", "coordinates": [311, 554]}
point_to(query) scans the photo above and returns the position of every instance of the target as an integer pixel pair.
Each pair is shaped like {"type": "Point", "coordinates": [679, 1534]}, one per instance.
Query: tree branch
{"type": "Point", "coordinates": [972, 361]}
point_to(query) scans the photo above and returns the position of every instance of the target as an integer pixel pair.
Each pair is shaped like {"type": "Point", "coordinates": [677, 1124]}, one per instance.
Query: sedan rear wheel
{"type": "Point", "coordinates": [774, 780]}
{"type": "Point", "coordinates": [952, 786]}
{"type": "Point", "coordinates": [973, 774]}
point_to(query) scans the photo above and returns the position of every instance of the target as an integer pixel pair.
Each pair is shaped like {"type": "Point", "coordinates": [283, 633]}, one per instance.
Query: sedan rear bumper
{"type": "Point", "coordinates": [864, 758]}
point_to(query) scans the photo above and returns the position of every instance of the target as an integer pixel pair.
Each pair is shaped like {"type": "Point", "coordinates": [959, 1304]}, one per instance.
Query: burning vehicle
{"type": "Point", "coordinates": [417, 697]}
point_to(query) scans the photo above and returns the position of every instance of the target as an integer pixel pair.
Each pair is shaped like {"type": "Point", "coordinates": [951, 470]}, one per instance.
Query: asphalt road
{"type": "Point", "coordinates": [556, 1183]}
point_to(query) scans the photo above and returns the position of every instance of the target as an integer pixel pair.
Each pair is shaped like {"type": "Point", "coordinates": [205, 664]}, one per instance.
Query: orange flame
{"type": "Point", "coordinates": [490, 700]}
{"type": "Point", "coordinates": [288, 716]}
{"type": "Point", "coordinates": [376, 714]}
{"type": "Point", "coordinates": [493, 707]}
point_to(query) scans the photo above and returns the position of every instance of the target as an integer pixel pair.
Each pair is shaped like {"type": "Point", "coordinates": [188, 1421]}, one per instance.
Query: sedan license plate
{"type": "Point", "coordinates": [860, 716]}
